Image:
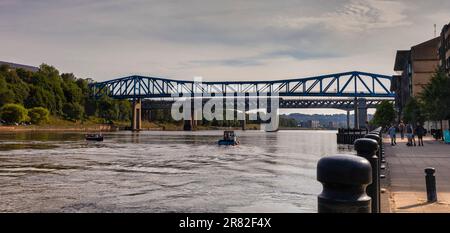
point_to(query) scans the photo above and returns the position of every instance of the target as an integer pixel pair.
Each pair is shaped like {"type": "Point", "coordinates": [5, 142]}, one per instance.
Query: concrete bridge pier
{"type": "Point", "coordinates": [240, 112]}
{"type": "Point", "coordinates": [355, 109]}
{"type": "Point", "coordinates": [243, 124]}
{"type": "Point", "coordinates": [348, 119]}
{"type": "Point", "coordinates": [189, 125]}
{"type": "Point", "coordinates": [136, 121]}
{"type": "Point", "coordinates": [362, 113]}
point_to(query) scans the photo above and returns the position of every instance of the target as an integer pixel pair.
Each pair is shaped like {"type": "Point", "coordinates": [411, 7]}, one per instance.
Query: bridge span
{"type": "Point", "coordinates": [353, 90]}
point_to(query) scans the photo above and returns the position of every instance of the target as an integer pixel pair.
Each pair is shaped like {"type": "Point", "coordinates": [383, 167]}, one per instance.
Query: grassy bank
{"type": "Point", "coordinates": [58, 124]}
{"type": "Point", "coordinates": [97, 124]}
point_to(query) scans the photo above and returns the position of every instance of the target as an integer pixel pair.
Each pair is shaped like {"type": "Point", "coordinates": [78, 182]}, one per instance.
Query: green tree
{"type": "Point", "coordinates": [125, 110]}
{"type": "Point", "coordinates": [435, 97]}
{"type": "Point", "coordinates": [48, 78]}
{"type": "Point", "coordinates": [73, 111]}
{"type": "Point", "coordinates": [13, 113]}
{"type": "Point", "coordinates": [6, 95]}
{"type": "Point", "coordinates": [14, 89]}
{"type": "Point", "coordinates": [285, 121]}
{"type": "Point", "coordinates": [72, 92]}
{"type": "Point", "coordinates": [107, 108]}
{"type": "Point", "coordinates": [384, 114]}
{"type": "Point", "coordinates": [413, 111]}
{"type": "Point", "coordinates": [41, 97]}
{"type": "Point", "coordinates": [38, 115]}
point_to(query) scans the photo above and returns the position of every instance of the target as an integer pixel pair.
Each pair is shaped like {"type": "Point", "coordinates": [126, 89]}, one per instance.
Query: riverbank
{"type": "Point", "coordinates": [92, 125]}
{"type": "Point", "coordinates": [406, 178]}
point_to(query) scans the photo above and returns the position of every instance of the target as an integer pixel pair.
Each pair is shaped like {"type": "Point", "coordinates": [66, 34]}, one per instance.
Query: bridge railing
{"type": "Point", "coordinates": [349, 136]}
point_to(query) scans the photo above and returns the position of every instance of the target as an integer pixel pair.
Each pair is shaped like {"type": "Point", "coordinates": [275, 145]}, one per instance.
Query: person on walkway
{"type": "Point", "coordinates": [401, 128]}
{"type": "Point", "coordinates": [409, 134]}
{"type": "Point", "coordinates": [420, 131]}
{"type": "Point", "coordinates": [392, 133]}
{"type": "Point", "coordinates": [413, 136]}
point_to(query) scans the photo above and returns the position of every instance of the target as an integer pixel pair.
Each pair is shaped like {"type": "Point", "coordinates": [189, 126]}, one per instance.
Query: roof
{"type": "Point", "coordinates": [426, 50]}
{"type": "Point", "coordinates": [401, 58]}
{"type": "Point", "coordinates": [17, 66]}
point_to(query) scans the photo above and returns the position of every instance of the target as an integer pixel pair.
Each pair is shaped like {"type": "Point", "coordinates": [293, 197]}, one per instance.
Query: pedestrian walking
{"type": "Point", "coordinates": [420, 131]}
{"type": "Point", "coordinates": [409, 134]}
{"type": "Point", "coordinates": [392, 134]}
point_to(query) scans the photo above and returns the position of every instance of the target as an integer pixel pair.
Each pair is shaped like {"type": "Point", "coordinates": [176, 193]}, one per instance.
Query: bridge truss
{"type": "Point", "coordinates": [348, 84]}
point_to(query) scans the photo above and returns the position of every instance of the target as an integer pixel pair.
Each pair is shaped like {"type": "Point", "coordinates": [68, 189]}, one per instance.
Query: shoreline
{"type": "Point", "coordinates": [9, 129]}
{"type": "Point", "coordinates": [113, 128]}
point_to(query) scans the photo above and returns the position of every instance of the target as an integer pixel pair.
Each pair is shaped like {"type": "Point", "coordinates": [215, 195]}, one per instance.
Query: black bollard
{"type": "Point", "coordinates": [377, 138]}
{"type": "Point", "coordinates": [344, 179]}
{"type": "Point", "coordinates": [367, 148]}
{"type": "Point", "coordinates": [430, 181]}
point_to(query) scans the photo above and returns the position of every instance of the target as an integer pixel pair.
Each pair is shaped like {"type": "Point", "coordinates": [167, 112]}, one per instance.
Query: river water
{"type": "Point", "coordinates": [154, 171]}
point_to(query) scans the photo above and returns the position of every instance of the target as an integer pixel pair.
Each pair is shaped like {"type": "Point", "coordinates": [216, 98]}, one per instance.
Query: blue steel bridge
{"type": "Point", "coordinates": [349, 91]}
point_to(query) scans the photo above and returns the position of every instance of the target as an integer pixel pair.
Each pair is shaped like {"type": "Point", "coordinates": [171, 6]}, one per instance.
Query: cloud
{"type": "Point", "coordinates": [219, 39]}
{"type": "Point", "coordinates": [355, 16]}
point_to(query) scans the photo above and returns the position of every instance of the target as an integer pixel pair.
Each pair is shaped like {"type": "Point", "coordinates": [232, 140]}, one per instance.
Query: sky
{"type": "Point", "coordinates": [216, 40]}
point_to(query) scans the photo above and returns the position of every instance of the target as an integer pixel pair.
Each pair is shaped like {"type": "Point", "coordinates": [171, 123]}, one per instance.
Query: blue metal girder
{"type": "Point", "coordinates": [336, 103]}
{"type": "Point", "coordinates": [331, 85]}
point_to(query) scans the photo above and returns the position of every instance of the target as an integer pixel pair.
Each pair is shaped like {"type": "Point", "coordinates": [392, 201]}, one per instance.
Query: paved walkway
{"type": "Point", "coordinates": [407, 177]}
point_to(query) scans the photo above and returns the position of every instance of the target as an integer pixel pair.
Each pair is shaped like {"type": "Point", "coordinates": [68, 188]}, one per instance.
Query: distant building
{"type": "Point", "coordinates": [415, 67]}
{"type": "Point", "coordinates": [444, 49]}
{"type": "Point", "coordinates": [17, 66]}
{"type": "Point", "coordinates": [312, 124]}
{"type": "Point", "coordinates": [332, 125]}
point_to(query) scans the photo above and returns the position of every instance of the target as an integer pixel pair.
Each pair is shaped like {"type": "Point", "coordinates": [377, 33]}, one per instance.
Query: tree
{"type": "Point", "coordinates": [125, 110]}
{"type": "Point", "coordinates": [107, 108]}
{"type": "Point", "coordinates": [73, 111]}
{"type": "Point", "coordinates": [40, 97]}
{"type": "Point", "coordinates": [13, 113]}
{"type": "Point", "coordinates": [38, 115]}
{"type": "Point", "coordinates": [63, 95]}
{"type": "Point", "coordinates": [286, 121]}
{"type": "Point", "coordinates": [48, 78]}
{"type": "Point", "coordinates": [435, 97]}
{"type": "Point", "coordinates": [413, 112]}
{"type": "Point", "coordinates": [384, 115]}
{"type": "Point", "coordinates": [6, 95]}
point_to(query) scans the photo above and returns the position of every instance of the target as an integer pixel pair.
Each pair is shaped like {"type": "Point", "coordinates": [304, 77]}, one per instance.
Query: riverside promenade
{"type": "Point", "coordinates": [406, 176]}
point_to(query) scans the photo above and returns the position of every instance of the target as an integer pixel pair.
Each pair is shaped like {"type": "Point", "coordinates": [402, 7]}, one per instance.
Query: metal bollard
{"type": "Point", "coordinates": [430, 181]}
{"type": "Point", "coordinates": [377, 138]}
{"type": "Point", "coordinates": [344, 179]}
{"type": "Point", "coordinates": [380, 166]}
{"type": "Point", "coordinates": [367, 148]}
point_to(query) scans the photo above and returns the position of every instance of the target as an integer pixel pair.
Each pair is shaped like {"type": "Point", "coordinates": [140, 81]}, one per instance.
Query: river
{"type": "Point", "coordinates": [154, 171]}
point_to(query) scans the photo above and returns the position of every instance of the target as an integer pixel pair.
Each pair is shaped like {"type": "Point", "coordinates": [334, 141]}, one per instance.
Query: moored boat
{"type": "Point", "coordinates": [94, 137]}
{"type": "Point", "coordinates": [229, 139]}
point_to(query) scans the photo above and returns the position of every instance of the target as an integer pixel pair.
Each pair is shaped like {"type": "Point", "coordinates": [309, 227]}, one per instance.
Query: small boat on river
{"type": "Point", "coordinates": [94, 137]}
{"type": "Point", "coordinates": [229, 139]}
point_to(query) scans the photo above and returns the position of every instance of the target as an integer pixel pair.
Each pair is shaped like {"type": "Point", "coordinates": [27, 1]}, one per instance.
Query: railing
{"type": "Point", "coordinates": [349, 136]}
{"type": "Point", "coordinates": [351, 184]}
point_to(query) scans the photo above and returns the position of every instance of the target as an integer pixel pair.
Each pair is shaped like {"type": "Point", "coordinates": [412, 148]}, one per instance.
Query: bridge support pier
{"type": "Point", "coordinates": [189, 125]}
{"type": "Point", "coordinates": [362, 113]}
{"type": "Point", "coordinates": [243, 124]}
{"type": "Point", "coordinates": [348, 119]}
{"type": "Point", "coordinates": [355, 116]}
{"type": "Point", "coordinates": [136, 121]}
